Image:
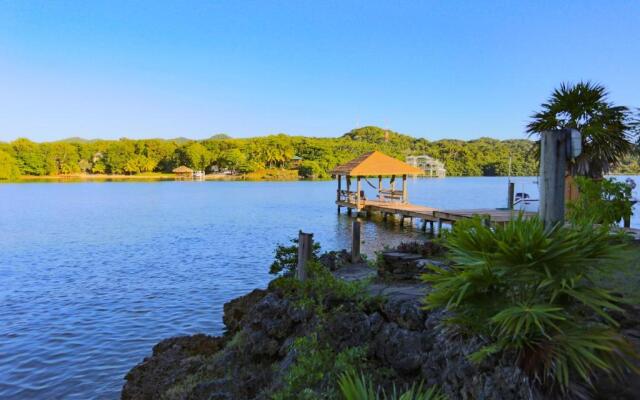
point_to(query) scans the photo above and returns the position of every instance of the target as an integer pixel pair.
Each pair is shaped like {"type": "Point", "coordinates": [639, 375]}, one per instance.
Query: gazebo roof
{"type": "Point", "coordinates": [182, 169]}
{"type": "Point", "coordinates": [376, 163]}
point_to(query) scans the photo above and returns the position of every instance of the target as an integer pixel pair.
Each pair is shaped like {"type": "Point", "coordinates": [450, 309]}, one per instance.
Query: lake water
{"type": "Point", "coordinates": [92, 275]}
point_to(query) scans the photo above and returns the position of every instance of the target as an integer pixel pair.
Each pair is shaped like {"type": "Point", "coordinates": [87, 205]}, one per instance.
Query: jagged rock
{"type": "Point", "coordinates": [235, 310]}
{"type": "Point", "coordinates": [259, 344]}
{"type": "Point", "coordinates": [407, 313]}
{"type": "Point", "coordinates": [405, 266]}
{"type": "Point", "coordinates": [347, 329]}
{"type": "Point", "coordinates": [274, 316]}
{"type": "Point", "coordinates": [211, 390]}
{"type": "Point", "coordinates": [402, 349]}
{"type": "Point", "coordinates": [334, 260]}
{"type": "Point", "coordinates": [375, 322]}
{"type": "Point", "coordinates": [172, 360]}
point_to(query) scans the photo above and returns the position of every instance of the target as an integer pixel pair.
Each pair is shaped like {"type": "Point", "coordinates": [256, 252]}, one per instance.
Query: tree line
{"type": "Point", "coordinates": [314, 157]}
{"type": "Point", "coordinates": [480, 157]}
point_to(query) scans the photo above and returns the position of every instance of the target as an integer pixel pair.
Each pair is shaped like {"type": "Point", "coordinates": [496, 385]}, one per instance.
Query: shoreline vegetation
{"type": "Point", "coordinates": [274, 157]}
{"type": "Point", "coordinates": [260, 175]}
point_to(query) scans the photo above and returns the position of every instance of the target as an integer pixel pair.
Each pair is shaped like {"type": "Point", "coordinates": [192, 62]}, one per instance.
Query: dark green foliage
{"type": "Point", "coordinates": [319, 155]}
{"type": "Point", "coordinates": [603, 201]}
{"type": "Point", "coordinates": [605, 127]}
{"type": "Point", "coordinates": [320, 286]}
{"type": "Point", "coordinates": [286, 258]}
{"type": "Point", "coordinates": [8, 167]}
{"type": "Point", "coordinates": [317, 365]}
{"type": "Point", "coordinates": [317, 368]}
{"type": "Point", "coordinates": [311, 169]}
{"type": "Point", "coordinates": [30, 157]}
{"type": "Point", "coordinates": [531, 290]}
{"type": "Point", "coordinates": [430, 248]}
{"type": "Point", "coordinates": [358, 387]}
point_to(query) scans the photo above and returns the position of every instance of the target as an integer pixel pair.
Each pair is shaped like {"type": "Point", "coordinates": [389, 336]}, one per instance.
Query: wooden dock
{"type": "Point", "coordinates": [430, 215]}
{"type": "Point", "coordinates": [395, 202]}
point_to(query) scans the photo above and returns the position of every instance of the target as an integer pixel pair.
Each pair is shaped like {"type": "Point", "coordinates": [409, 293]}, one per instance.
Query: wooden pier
{"type": "Point", "coordinates": [395, 202]}
{"type": "Point", "coordinates": [430, 215]}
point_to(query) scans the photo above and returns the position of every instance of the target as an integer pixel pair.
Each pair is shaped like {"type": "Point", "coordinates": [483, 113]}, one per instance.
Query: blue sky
{"type": "Point", "coordinates": [433, 69]}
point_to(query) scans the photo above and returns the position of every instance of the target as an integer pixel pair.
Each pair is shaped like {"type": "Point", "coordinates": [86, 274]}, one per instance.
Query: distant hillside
{"type": "Point", "coordinates": [312, 156]}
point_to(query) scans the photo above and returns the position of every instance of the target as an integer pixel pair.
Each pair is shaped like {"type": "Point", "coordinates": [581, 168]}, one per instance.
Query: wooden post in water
{"type": "Point", "coordinates": [359, 188]}
{"type": "Point", "coordinates": [553, 165]}
{"type": "Point", "coordinates": [355, 241]}
{"type": "Point", "coordinates": [339, 190]}
{"type": "Point", "coordinates": [348, 178]}
{"type": "Point", "coordinates": [305, 251]}
{"type": "Point", "coordinates": [392, 183]}
{"type": "Point", "coordinates": [510, 195]}
{"type": "Point", "coordinates": [404, 188]}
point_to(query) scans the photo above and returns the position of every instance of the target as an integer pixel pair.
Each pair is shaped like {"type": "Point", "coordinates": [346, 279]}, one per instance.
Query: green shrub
{"type": "Point", "coordinates": [8, 167]}
{"type": "Point", "coordinates": [604, 201]}
{"type": "Point", "coordinates": [316, 369]}
{"type": "Point", "coordinates": [286, 258]}
{"type": "Point", "coordinates": [531, 290]}
{"type": "Point", "coordinates": [320, 285]}
{"type": "Point", "coordinates": [358, 387]}
{"type": "Point", "coordinates": [311, 169]}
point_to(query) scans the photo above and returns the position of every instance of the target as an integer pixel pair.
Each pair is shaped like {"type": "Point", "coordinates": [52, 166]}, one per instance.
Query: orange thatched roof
{"type": "Point", "coordinates": [375, 163]}
{"type": "Point", "coordinates": [182, 170]}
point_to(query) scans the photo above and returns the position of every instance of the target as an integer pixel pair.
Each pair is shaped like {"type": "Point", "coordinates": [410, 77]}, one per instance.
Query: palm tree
{"type": "Point", "coordinates": [605, 128]}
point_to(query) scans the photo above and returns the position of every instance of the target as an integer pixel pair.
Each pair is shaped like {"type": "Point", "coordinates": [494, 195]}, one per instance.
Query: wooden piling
{"type": "Point", "coordinates": [355, 241]}
{"type": "Point", "coordinates": [553, 165]}
{"type": "Point", "coordinates": [404, 188]}
{"type": "Point", "coordinates": [339, 190]}
{"type": "Point", "coordinates": [305, 251]}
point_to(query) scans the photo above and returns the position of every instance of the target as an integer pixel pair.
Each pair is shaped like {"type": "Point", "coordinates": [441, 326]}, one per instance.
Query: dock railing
{"type": "Point", "coordinates": [348, 196]}
{"type": "Point", "coordinates": [391, 196]}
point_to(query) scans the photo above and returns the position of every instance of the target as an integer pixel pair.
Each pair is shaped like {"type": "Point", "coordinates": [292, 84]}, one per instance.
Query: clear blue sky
{"type": "Point", "coordinates": [441, 69]}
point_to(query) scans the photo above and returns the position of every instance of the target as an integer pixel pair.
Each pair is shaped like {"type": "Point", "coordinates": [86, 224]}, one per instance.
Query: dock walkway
{"type": "Point", "coordinates": [432, 215]}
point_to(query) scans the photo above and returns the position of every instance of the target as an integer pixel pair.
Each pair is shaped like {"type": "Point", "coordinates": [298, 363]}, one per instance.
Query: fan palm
{"type": "Point", "coordinates": [604, 126]}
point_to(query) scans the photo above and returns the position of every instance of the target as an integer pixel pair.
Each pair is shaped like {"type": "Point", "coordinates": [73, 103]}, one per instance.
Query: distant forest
{"type": "Point", "coordinates": [314, 157]}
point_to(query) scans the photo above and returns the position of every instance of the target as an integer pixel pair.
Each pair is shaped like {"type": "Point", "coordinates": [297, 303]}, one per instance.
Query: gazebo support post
{"type": "Point", "coordinates": [379, 187]}
{"type": "Point", "coordinates": [404, 188]}
{"type": "Point", "coordinates": [359, 188]}
{"type": "Point", "coordinates": [348, 178]}
{"type": "Point", "coordinates": [339, 190]}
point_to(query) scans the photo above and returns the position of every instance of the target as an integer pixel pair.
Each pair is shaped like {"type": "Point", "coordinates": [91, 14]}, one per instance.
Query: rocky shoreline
{"type": "Point", "coordinates": [271, 334]}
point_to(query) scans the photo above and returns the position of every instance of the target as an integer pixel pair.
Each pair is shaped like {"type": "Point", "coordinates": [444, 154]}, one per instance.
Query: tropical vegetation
{"type": "Point", "coordinates": [607, 129]}
{"type": "Point", "coordinates": [601, 201]}
{"type": "Point", "coordinates": [532, 291]}
{"type": "Point", "coordinates": [312, 157]}
{"type": "Point", "coordinates": [359, 387]}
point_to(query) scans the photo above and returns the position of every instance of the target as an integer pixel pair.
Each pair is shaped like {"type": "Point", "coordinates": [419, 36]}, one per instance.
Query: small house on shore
{"type": "Point", "coordinates": [432, 168]}
{"type": "Point", "coordinates": [183, 172]}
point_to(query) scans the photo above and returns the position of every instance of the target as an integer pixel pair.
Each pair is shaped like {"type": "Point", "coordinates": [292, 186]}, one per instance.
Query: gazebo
{"type": "Point", "coordinates": [372, 164]}
{"type": "Point", "coordinates": [183, 172]}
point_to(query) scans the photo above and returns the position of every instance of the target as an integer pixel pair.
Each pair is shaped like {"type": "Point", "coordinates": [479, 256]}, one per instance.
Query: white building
{"type": "Point", "coordinates": [432, 167]}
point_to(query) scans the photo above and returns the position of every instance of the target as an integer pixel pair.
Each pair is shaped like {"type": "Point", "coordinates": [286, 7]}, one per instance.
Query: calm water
{"type": "Point", "coordinates": [92, 275]}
